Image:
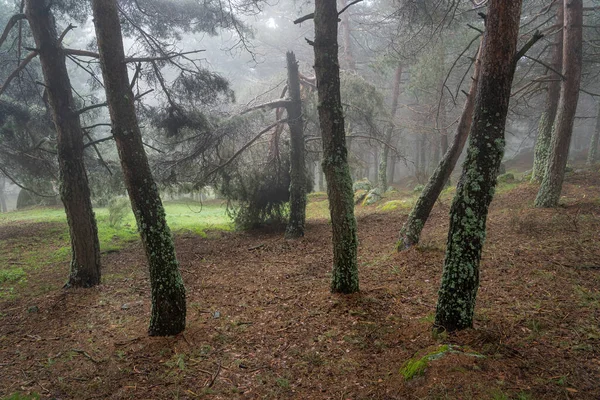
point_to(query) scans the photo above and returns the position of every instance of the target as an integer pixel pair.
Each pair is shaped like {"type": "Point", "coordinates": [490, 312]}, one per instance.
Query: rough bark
{"type": "Point", "coordinates": [546, 121]}
{"type": "Point", "coordinates": [383, 166]}
{"type": "Point", "coordinates": [475, 190]}
{"type": "Point", "coordinates": [411, 230]}
{"type": "Point", "coordinates": [335, 154]}
{"type": "Point", "coordinates": [551, 186]}
{"type": "Point", "coordinates": [295, 226]}
{"type": "Point", "coordinates": [593, 150]}
{"type": "Point", "coordinates": [168, 292]}
{"type": "Point", "coordinates": [74, 188]}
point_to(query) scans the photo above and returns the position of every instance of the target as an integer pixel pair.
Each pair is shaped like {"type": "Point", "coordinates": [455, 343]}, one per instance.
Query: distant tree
{"type": "Point", "coordinates": [168, 292]}
{"type": "Point", "coordinates": [546, 121]}
{"type": "Point", "coordinates": [411, 230]}
{"type": "Point", "coordinates": [475, 190]}
{"type": "Point", "coordinates": [593, 150]}
{"type": "Point", "coordinates": [298, 184]}
{"type": "Point", "coordinates": [335, 154]}
{"type": "Point", "coordinates": [383, 165]}
{"type": "Point", "coordinates": [551, 186]}
{"type": "Point", "coordinates": [3, 207]}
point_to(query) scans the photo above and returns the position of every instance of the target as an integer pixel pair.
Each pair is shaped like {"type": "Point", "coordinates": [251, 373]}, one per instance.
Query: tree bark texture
{"type": "Point", "coordinates": [335, 154]}
{"type": "Point", "coordinates": [546, 121]}
{"type": "Point", "coordinates": [383, 166]}
{"type": "Point", "coordinates": [74, 188]}
{"type": "Point", "coordinates": [475, 190]}
{"type": "Point", "coordinates": [551, 186]}
{"type": "Point", "coordinates": [295, 226]}
{"type": "Point", "coordinates": [411, 230]}
{"type": "Point", "coordinates": [593, 150]}
{"type": "Point", "coordinates": [168, 292]}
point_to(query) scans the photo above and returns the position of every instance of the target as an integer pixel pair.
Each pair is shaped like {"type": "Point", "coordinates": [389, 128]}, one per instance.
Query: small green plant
{"type": "Point", "coordinates": [11, 275]}
{"type": "Point", "coordinates": [282, 383]}
{"type": "Point", "coordinates": [413, 368]}
{"type": "Point", "coordinates": [22, 396]}
{"type": "Point", "coordinates": [118, 208]}
{"type": "Point", "coordinates": [418, 189]}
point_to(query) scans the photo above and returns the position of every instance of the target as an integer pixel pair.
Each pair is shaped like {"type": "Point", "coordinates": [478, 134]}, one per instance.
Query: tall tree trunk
{"type": "Point", "coordinates": [411, 230]}
{"type": "Point", "coordinates": [168, 292]}
{"type": "Point", "coordinates": [335, 155]}
{"type": "Point", "coordinates": [295, 226]}
{"type": "Point", "coordinates": [551, 186]}
{"type": "Point", "coordinates": [74, 188]}
{"type": "Point", "coordinates": [3, 207]}
{"type": "Point", "coordinates": [593, 150]}
{"type": "Point", "coordinates": [383, 166]}
{"type": "Point", "coordinates": [546, 121]}
{"type": "Point", "coordinates": [468, 214]}
{"type": "Point", "coordinates": [348, 57]}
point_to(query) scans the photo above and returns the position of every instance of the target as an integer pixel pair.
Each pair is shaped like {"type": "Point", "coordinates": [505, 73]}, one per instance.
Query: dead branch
{"type": "Point", "coordinates": [312, 15]}
{"type": "Point", "coordinates": [9, 25]}
{"type": "Point", "coordinates": [281, 103]}
{"type": "Point", "coordinates": [14, 74]}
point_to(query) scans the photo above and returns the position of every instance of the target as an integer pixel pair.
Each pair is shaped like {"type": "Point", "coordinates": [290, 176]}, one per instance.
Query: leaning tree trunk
{"type": "Point", "coordinates": [551, 186]}
{"type": "Point", "coordinates": [168, 292]}
{"type": "Point", "coordinates": [295, 226]}
{"type": "Point", "coordinates": [74, 188]}
{"type": "Point", "coordinates": [335, 154]}
{"type": "Point", "coordinates": [546, 121]}
{"type": "Point", "coordinates": [411, 230]}
{"type": "Point", "coordinates": [593, 151]}
{"type": "Point", "coordinates": [468, 214]}
{"type": "Point", "coordinates": [383, 166]}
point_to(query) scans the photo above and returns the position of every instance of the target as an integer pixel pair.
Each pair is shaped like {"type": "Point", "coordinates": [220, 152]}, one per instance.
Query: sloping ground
{"type": "Point", "coordinates": [262, 323]}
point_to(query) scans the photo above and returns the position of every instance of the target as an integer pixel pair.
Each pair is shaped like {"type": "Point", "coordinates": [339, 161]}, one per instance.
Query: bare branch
{"type": "Point", "coordinates": [93, 106]}
{"type": "Point", "coordinates": [14, 74]}
{"type": "Point", "coordinates": [271, 104]}
{"type": "Point", "coordinates": [9, 25]}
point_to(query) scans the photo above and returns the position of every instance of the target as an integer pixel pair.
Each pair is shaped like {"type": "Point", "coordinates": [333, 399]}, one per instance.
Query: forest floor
{"type": "Point", "coordinates": [263, 324]}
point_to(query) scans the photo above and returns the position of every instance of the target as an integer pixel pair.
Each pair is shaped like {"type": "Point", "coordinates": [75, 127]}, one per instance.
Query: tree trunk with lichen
{"type": "Point", "coordinates": [554, 175]}
{"type": "Point", "coordinates": [546, 121]}
{"type": "Point", "coordinates": [475, 190]}
{"type": "Point", "coordinates": [74, 188]}
{"type": "Point", "coordinates": [168, 292]}
{"type": "Point", "coordinates": [411, 230]}
{"type": "Point", "coordinates": [383, 166]}
{"type": "Point", "coordinates": [295, 226]}
{"type": "Point", "coordinates": [593, 150]}
{"type": "Point", "coordinates": [335, 154]}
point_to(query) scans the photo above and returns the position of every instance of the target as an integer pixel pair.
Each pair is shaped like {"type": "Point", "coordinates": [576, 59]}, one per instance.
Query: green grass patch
{"type": "Point", "coordinates": [33, 251]}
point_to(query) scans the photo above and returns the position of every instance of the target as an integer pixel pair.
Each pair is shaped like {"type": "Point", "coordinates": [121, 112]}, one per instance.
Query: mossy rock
{"type": "Point", "coordinates": [393, 205]}
{"type": "Point", "coordinates": [372, 197]}
{"type": "Point", "coordinates": [418, 189]}
{"type": "Point", "coordinates": [363, 184]}
{"type": "Point", "coordinates": [506, 178]}
{"type": "Point", "coordinates": [360, 195]}
{"type": "Point", "coordinates": [417, 366]}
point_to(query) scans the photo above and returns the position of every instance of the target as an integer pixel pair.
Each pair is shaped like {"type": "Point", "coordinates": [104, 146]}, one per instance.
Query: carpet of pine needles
{"type": "Point", "coordinates": [262, 323]}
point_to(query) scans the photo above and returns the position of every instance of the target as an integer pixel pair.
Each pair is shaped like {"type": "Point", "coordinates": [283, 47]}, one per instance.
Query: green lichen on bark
{"type": "Point", "coordinates": [542, 147]}
{"type": "Point", "coordinates": [475, 190]}
{"type": "Point", "coordinates": [335, 155]}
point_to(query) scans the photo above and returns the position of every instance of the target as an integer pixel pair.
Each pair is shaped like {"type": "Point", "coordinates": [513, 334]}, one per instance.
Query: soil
{"type": "Point", "coordinates": [263, 324]}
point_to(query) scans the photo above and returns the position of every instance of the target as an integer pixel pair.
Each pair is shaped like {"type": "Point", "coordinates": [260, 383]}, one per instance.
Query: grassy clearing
{"type": "Point", "coordinates": [48, 243]}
